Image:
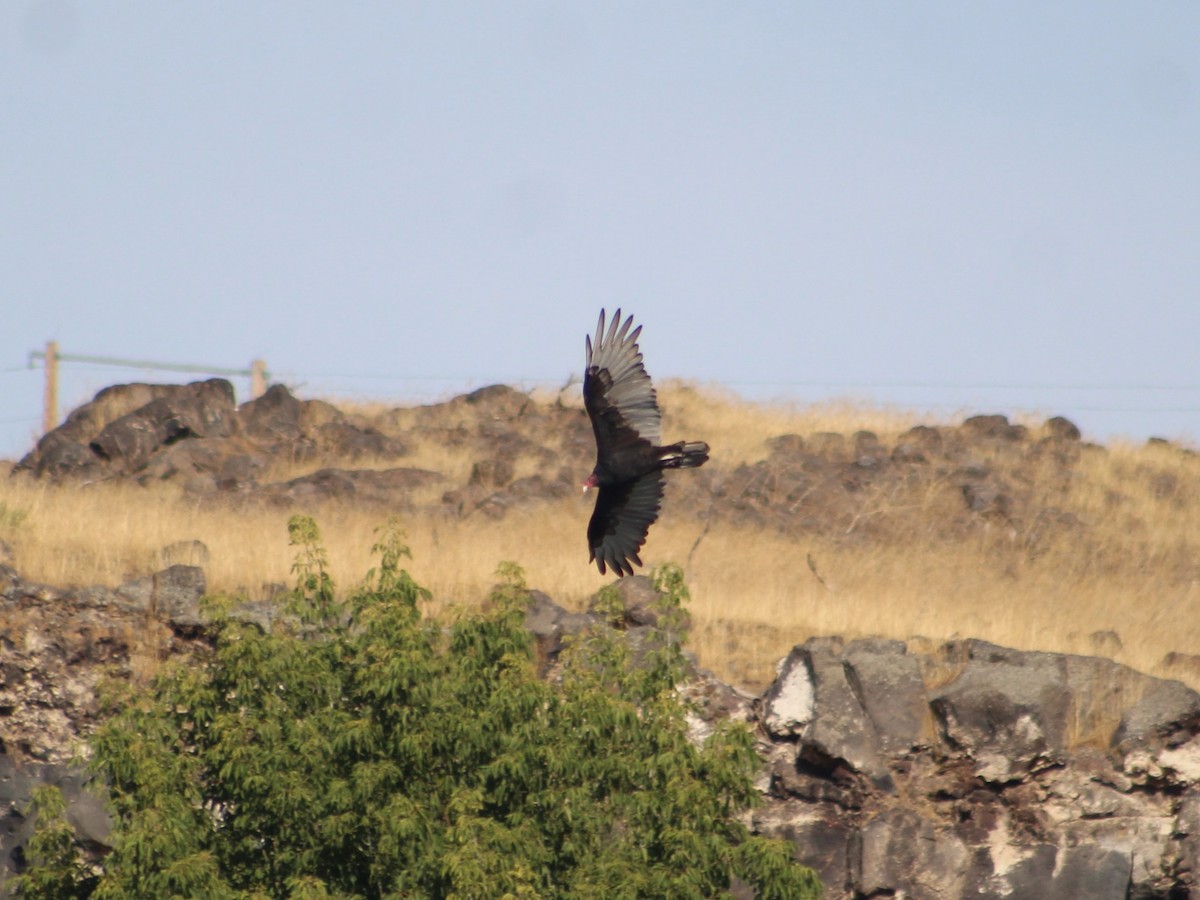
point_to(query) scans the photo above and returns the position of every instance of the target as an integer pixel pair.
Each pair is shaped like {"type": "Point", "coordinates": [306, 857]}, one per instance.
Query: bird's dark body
{"type": "Point", "coordinates": [634, 462]}
{"type": "Point", "coordinates": [621, 402]}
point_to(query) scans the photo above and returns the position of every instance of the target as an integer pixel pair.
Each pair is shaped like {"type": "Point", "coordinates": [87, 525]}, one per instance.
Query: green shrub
{"type": "Point", "coordinates": [55, 872]}
{"type": "Point", "coordinates": [363, 750]}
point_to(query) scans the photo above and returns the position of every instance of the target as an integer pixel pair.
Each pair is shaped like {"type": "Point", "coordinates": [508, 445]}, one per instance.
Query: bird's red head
{"type": "Point", "coordinates": [591, 482]}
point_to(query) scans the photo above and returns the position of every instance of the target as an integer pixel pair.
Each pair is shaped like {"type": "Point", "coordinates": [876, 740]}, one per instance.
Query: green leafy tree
{"type": "Point", "coordinates": [56, 871]}
{"type": "Point", "coordinates": [363, 750]}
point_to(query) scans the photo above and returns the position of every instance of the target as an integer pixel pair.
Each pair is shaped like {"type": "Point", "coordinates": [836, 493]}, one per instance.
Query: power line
{"type": "Point", "coordinates": [109, 361]}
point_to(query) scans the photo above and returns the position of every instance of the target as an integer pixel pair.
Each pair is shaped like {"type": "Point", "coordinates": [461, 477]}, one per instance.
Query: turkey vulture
{"type": "Point", "coordinates": [629, 461]}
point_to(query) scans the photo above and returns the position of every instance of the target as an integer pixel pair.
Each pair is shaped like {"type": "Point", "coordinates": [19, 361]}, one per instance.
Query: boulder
{"type": "Point", "coordinates": [123, 426]}
{"type": "Point", "coordinates": [887, 681]}
{"type": "Point", "coordinates": [57, 459]}
{"type": "Point", "coordinates": [177, 594]}
{"type": "Point", "coordinates": [550, 624]}
{"type": "Point", "coordinates": [1062, 429]}
{"type": "Point", "coordinates": [789, 704]}
{"type": "Point", "coordinates": [202, 409]}
{"type": "Point", "coordinates": [194, 463]}
{"type": "Point", "coordinates": [840, 729]}
{"type": "Point", "coordinates": [1007, 710]}
{"type": "Point", "coordinates": [987, 498]}
{"type": "Point", "coordinates": [1187, 837]}
{"type": "Point", "coordinates": [1166, 711]}
{"type": "Point", "coordinates": [995, 427]}
{"type": "Point", "coordinates": [639, 602]}
{"type": "Point", "coordinates": [276, 417]}
{"type": "Point", "coordinates": [52, 458]}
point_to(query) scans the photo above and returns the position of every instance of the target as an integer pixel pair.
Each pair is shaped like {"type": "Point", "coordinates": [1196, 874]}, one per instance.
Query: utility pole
{"type": "Point", "coordinates": [258, 379]}
{"type": "Point", "coordinates": [257, 373]}
{"type": "Point", "coordinates": [50, 400]}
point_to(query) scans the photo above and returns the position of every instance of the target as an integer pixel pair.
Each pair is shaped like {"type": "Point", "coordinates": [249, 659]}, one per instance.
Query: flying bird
{"type": "Point", "coordinates": [623, 407]}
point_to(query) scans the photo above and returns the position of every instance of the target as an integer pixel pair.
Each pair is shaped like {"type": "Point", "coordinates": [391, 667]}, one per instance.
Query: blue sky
{"type": "Point", "coordinates": [987, 207]}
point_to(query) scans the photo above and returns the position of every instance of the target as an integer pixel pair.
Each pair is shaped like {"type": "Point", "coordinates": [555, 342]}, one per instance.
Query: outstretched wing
{"type": "Point", "coordinates": [617, 392]}
{"type": "Point", "coordinates": [624, 513]}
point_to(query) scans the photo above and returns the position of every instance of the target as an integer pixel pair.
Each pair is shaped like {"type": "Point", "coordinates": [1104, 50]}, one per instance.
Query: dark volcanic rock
{"type": "Point", "coordinates": [498, 401]}
{"type": "Point", "coordinates": [1167, 710]}
{"type": "Point", "coordinates": [1007, 711]}
{"type": "Point", "coordinates": [384, 487]}
{"type": "Point", "coordinates": [203, 409]}
{"type": "Point", "coordinates": [887, 681]}
{"type": "Point", "coordinates": [86, 811]}
{"type": "Point", "coordinates": [124, 426]}
{"type": "Point", "coordinates": [1007, 797]}
{"type": "Point", "coordinates": [298, 430]}
{"type": "Point", "coordinates": [64, 450]}
{"type": "Point", "coordinates": [995, 427]}
{"type": "Point", "coordinates": [58, 459]}
{"type": "Point", "coordinates": [939, 483]}
{"type": "Point", "coordinates": [906, 855]}
{"type": "Point", "coordinates": [345, 440]}
{"type": "Point", "coordinates": [549, 624]}
{"type": "Point", "coordinates": [1063, 429]}
{"type": "Point", "coordinates": [274, 418]}
{"type": "Point", "coordinates": [194, 463]}
{"type": "Point", "coordinates": [840, 731]}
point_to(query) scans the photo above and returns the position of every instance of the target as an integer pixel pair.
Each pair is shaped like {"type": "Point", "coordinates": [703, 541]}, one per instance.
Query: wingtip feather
{"type": "Point", "coordinates": [600, 330]}
{"type": "Point", "coordinates": [612, 328]}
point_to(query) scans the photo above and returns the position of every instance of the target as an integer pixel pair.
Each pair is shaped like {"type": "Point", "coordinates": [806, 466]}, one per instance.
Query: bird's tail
{"type": "Point", "coordinates": [684, 455]}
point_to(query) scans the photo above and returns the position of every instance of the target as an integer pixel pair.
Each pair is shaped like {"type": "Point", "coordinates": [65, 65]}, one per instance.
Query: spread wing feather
{"type": "Point", "coordinates": [617, 391]}
{"type": "Point", "coordinates": [623, 515]}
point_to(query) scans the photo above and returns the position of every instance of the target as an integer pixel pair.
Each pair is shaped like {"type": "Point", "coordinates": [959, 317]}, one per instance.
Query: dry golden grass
{"type": "Point", "coordinates": [738, 430]}
{"type": "Point", "coordinates": [755, 593]}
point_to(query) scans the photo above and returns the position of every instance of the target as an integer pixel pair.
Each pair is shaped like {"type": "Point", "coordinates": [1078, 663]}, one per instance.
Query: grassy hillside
{"type": "Point", "coordinates": [857, 525]}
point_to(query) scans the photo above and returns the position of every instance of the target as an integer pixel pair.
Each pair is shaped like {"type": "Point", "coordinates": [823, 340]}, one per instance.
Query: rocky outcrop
{"type": "Point", "coordinates": [282, 425]}
{"type": "Point", "coordinates": [931, 482]}
{"type": "Point", "coordinates": [194, 436]}
{"type": "Point", "coordinates": [831, 484]}
{"type": "Point", "coordinates": [201, 410]}
{"type": "Point", "coordinates": [124, 425]}
{"type": "Point", "coordinates": [930, 773]}
{"type": "Point", "coordinates": [56, 645]}
{"type": "Point", "coordinates": [979, 771]}
{"type": "Point", "coordinates": [940, 483]}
